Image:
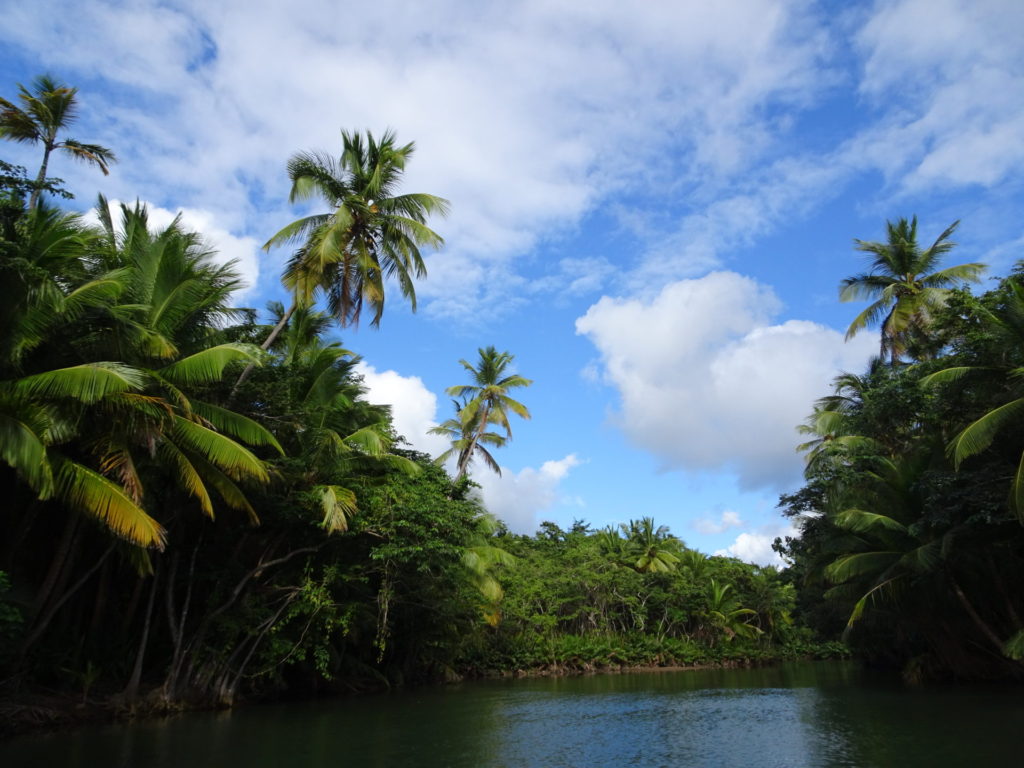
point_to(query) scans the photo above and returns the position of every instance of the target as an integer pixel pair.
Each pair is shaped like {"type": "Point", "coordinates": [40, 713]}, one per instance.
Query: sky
{"type": "Point", "coordinates": [652, 204]}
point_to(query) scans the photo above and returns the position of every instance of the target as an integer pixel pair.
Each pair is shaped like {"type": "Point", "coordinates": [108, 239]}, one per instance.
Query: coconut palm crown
{"type": "Point", "coordinates": [904, 286]}
{"type": "Point", "coordinates": [46, 110]}
{"type": "Point", "coordinates": [484, 402]}
{"type": "Point", "coordinates": [371, 234]}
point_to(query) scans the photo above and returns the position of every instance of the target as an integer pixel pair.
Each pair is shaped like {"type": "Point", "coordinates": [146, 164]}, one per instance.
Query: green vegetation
{"type": "Point", "coordinates": [911, 540]}
{"type": "Point", "coordinates": [583, 599]}
{"type": "Point", "coordinates": [201, 507]}
{"type": "Point", "coordinates": [905, 290]}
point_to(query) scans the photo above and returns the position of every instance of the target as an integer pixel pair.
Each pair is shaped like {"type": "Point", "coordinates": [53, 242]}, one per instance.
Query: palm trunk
{"type": "Point", "coordinates": [21, 531]}
{"type": "Point", "coordinates": [979, 622]}
{"type": "Point", "coordinates": [132, 689]}
{"type": "Point", "coordinates": [265, 345]}
{"type": "Point", "coordinates": [57, 564]}
{"type": "Point", "coordinates": [43, 621]}
{"type": "Point", "coordinates": [228, 689]}
{"type": "Point", "coordinates": [41, 178]}
{"type": "Point", "coordinates": [467, 453]}
{"type": "Point", "coordinates": [170, 688]}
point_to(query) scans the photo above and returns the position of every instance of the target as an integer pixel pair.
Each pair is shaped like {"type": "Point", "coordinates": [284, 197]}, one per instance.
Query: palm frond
{"type": "Point", "coordinates": [860, 520]}
{"type": "Point", "coordinates": [221, 451]}
{"type": "Point", "coordinates": [978, 436]}
{"type": "Point", "coordinates": [859, 563]}
{"type": "Point", "coordinates": [225, 486]}
{"type": "Point", "coordinates": [338, 505]}
{"type": "Point", "coordinates": [186, 474]}
{"type": "Point", "coordinates": [92, 493]}
{"type": "Point", "coordinates": [86, 383]}
{"type": "Point", "coordinates": [242, 427]}
{"type": "Point", "coordinates": [208, 365]}
{"type": "Point", "coordinates": [22, 448]}
{"type": "Point", "coordinates": [93, 154]}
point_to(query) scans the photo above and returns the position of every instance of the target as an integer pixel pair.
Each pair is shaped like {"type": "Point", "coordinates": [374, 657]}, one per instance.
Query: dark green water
{"type": "Point", "coordinates": [789, 716]}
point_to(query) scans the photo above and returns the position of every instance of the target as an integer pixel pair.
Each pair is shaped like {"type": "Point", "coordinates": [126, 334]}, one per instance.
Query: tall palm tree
{"type": "Point", "coordinates": [486, 401]}
{"type": "Point", "coordinates": [371, 233]}
{"type": "Point", "coordinates": [47, 109]}
{"type": "Point", "coordinates": [903, 285]}
{"type": "Point", "coordinates": [329, 429]}
{"type": "Point", "coordinates": [461, 432]}
{"type": "Point", "coordinates": [175, 298]}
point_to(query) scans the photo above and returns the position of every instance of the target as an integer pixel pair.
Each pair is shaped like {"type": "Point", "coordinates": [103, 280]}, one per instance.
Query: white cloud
{"type": "Point", "coordinates": [707, 382]}
{"type": "Point", "coordinates": [757, 547]}
{"type": "Point", "coordinates": [525, 115]}
{"type": "Point", "coordinates": [413, 406]}
{"type": "Point", "coordinates": [947, 77]}
{"type": "Point", "coordinates": [518, 497]}
{"type": "Point", "coordinates": [529, 116]}
{"type": "Point", "coordinates": [728, 519]}
{"type": "Point", "coordinates": [738, 217]}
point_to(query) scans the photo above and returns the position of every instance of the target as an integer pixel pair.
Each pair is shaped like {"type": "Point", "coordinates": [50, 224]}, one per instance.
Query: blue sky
{"type": "Point", "coordinates": [653, 203]}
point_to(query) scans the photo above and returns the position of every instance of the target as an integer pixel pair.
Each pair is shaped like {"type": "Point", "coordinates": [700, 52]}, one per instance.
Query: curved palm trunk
{"type": "Point", "coordinates": [43, 622]}
{"type": "Point", "coordinates": [265, 345]}
{"type": "Point", "coordinates": [979, 622]}
{"type": "Point", "coordinates": [467, 453]}
{"type": "Point", "coordinates": [41, 178]}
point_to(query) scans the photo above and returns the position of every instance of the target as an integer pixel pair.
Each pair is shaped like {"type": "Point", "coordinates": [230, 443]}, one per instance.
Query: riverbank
{"type": "Point", "coordinates": [48, 710]}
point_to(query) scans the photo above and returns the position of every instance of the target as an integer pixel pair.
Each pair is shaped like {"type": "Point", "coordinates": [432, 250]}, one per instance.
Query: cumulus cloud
{"type": "Point", "coordinates": [756, 547]}
{"type": "Point", "coordinates": [517, 497]}
{"type": "Point", "coordinates": [413, 406]}
{"type": "Point", "coordinates": [525, 114]}
{"type": "Point", "coordinates": [728, 519]}
{"type": "Point", "coordinates": [706, 380]}
{"type": "Point", "coordinates": [530, 117]}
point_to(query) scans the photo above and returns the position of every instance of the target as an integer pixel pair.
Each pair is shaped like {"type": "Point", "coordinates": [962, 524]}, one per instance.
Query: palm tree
{"type": "Point", "coordinates": [174, 298]}
{"type": "Point", "coordinates": [486, 401]}
{"type": "Point", "coordinates": [481, 557]}
{"type": "Point", "coordinates": [98, 392]}
{"type": "Point", "coordinates": [331, 431]}
{"type": "Point", "coordinates": [371, 233]}
{"type": "Point", "coordinates": [831, 423]}
{"type": "Point", "coordinates": [725, 614]}
{"type": "Point", "coordinates": [461, 433]}
{"type": "Point", "coordinates": [44, 295]}
{"type": "Point", "coordinates": [903, 285]}
{"type": "Point", "coordinates": [612, 545]}
{"type": "Point", "coordinates": [897, 558]}
{"type": "Point", "coordinates": [649, 549]}
{"type": "Point", "coordinates": [47, 109]}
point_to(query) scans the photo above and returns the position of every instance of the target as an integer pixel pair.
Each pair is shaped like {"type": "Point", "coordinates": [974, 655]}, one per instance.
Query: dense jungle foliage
{"type": "Point", "coordinates": [201, 507]}
{"type": "Point", "coordinates": [911, 538]}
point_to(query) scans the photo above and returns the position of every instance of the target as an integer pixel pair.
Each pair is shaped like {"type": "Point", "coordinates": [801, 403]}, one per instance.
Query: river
{"type": "Point", "coordinates": [794, 715]}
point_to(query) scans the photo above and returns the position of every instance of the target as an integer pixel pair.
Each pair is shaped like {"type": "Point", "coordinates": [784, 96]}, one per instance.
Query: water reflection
{"type": "Point", "coordinates": [791, 716]}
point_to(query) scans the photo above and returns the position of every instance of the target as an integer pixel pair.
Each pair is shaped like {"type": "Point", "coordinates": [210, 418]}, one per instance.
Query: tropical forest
{"type": "Point", "coordinates": [203, 507]}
